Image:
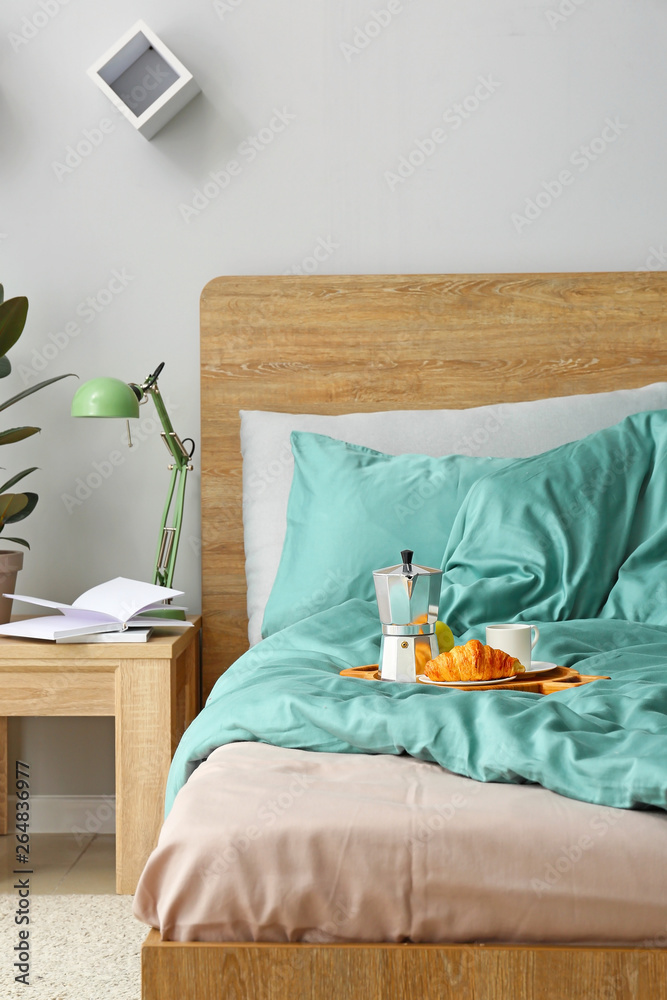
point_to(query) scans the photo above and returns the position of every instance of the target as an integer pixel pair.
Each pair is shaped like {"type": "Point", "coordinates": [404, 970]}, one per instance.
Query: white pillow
{"type": "Point", "coordinates": [507, 430]}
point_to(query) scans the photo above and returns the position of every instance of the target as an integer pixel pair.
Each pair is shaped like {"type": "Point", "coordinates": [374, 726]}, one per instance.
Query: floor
{"type": "Point", "coordinates": [63, 863]}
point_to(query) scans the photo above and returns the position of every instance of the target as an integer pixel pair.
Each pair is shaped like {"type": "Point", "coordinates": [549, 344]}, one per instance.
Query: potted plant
{"type": "Point", "coordinates": [14, 506]}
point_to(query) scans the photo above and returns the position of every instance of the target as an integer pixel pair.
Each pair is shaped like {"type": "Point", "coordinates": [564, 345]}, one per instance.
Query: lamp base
{"type": "Point", "coordinates": [173, 614]}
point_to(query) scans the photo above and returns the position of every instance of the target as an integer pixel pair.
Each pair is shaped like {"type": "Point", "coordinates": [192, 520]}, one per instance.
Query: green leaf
{"type": "Point", "coordinates": [13, 314]}
{"type": "Point", "coordinates": [32, 499]}
{"type": "Point", "coordinates": [2, 295]}
{"type": "Point", "coordinates": [19, 541]}
{"type": "Point", "coordinates": [11, 504]}
{"type": "Point", "coordinates": [5, 367]}
{"type": "Point", "coordinates": [17, 434]}
{"type": "Point", "coordinates": [34, 388]}
{"type": "Point", "coordinates": [15, 479]}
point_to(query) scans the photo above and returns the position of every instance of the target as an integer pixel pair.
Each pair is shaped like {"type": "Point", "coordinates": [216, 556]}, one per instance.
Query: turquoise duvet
{"type": "Point", "coordinates": [575, 541]}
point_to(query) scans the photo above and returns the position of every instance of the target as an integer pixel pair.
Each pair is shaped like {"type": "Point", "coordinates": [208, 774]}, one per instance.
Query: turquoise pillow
{"type": "Point", "coordinates": [351, 510]}
{"type": "Point", "coordinates": [576, 532]}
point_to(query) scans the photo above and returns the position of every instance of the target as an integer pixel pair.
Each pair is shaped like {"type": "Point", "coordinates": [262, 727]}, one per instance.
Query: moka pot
{"type": "Point", "coordinates": [408, 596]}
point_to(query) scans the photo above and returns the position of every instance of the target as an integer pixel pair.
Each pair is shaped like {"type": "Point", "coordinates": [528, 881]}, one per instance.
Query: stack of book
{"type": "Point", "coordinates": [116, 611]}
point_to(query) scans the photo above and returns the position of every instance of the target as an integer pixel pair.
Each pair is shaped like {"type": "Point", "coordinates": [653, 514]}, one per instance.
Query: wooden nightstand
{"type": "Point", "coordinates": [153, 690]}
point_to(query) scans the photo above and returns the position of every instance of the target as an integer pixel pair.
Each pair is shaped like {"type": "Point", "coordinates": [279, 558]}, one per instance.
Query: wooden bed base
{"type": "Point", "coordinates": [173, 971]}
{"type": "Point", "coordinates": [374, 342]}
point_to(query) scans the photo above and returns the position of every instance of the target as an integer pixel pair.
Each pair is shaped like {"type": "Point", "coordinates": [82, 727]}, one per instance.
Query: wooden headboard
{"type": "Point", "coordinates": [379, 342]}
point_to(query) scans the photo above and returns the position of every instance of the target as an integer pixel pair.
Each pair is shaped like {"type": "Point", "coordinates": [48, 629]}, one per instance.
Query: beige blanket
{"type": "Point", "coordinates": [269, 844]}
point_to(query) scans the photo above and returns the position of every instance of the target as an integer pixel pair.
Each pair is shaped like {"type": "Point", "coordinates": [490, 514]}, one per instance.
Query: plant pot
{"type": "Point", "coordinates": [10, 564]}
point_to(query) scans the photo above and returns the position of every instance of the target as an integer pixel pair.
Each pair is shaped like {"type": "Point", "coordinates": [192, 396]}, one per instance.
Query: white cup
{"type": "Point", "coordinates": [515, 640]}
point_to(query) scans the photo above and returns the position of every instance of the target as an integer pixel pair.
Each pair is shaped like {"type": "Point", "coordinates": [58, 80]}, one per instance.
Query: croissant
{"type": "Point", "coordinates": [473, 662]}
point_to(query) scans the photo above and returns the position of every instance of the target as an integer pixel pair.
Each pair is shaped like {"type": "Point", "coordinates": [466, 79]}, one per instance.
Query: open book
{"type": "Point", "coordinates": [109, 607]}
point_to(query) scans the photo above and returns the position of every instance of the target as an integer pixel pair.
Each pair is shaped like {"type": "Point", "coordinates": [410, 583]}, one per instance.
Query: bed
{"type": "Point", "coordinates": [372, 343]}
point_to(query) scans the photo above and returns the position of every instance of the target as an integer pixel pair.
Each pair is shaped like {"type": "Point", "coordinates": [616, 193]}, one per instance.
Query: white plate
{"type": "Point", "coordinates": [540, 667]}
{"type": "Point", "coordinates": [537, 667]}
{"type": "Point", "coordinates": [455, 684]}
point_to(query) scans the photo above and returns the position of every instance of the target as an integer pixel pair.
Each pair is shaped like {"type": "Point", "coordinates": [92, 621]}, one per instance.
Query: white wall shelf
{"type": "Point", "coordinates": [144, 79]}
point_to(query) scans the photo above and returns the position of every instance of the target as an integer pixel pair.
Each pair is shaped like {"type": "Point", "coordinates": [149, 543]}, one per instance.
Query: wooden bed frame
{"type": "Point", "coordinates": [373, 342]}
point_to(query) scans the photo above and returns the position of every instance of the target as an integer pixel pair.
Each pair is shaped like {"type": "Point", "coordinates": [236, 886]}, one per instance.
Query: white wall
{"type": "Point", "coordinates": [329, 179]}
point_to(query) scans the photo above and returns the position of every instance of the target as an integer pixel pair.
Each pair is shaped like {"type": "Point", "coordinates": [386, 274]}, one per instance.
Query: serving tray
{"type": "Point", "coordinates": [558, 679]}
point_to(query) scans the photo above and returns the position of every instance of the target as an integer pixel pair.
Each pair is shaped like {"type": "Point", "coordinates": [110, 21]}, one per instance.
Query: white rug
{"type": "Point", "coordinates": [81, 948]}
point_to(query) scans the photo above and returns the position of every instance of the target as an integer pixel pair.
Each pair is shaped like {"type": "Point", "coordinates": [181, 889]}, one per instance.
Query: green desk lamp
{"type": "Point", "coordinates": [109, 397]}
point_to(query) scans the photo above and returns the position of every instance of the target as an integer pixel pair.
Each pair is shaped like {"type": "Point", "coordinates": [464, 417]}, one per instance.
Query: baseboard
{"type": "Point", "coordinates": [77, 814]}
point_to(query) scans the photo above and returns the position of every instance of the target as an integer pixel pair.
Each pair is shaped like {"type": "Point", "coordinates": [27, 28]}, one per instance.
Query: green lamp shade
{"type": "Point", "coordinates": [105, 397]}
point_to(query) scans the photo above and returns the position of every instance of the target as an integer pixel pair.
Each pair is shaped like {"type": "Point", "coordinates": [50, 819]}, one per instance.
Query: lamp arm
{"type": "Point", "coordinates": [171, 439]}
{"type": "Point", "coordinates": [178, 522]}
{"type": "Point", "coordinates": [160, 573]}
{"type": "Point", "coordinates": [167, 550]}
